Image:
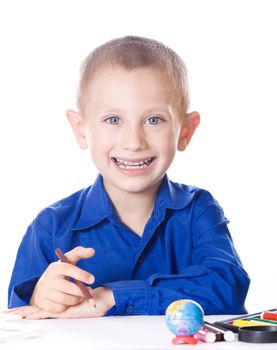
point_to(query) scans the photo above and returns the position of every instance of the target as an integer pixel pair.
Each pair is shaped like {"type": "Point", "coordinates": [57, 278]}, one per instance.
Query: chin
{"type": "Point", "coordinates": [137, 186]}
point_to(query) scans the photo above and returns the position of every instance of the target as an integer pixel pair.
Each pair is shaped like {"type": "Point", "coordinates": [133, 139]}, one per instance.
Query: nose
{"type": "Point", "coordinates": [133, 138]}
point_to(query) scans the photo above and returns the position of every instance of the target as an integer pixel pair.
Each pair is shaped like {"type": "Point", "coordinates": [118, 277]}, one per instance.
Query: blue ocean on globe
{"type": "Point", "coordinates": [184, 317]}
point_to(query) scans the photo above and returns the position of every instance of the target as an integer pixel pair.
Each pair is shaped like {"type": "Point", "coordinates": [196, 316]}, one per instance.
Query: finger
{"type": "Point", "coordinates": [10, 310]}
{"type": "Point", "coordinates": [81, 310]}
{"type": "Point", "coordinates": [63, 298]}
{"type": "Point", "coordinates": [41, 314]}
{"type": "Point", "coordinates": [71, 271]}
{"type": "Point", "coordinates": [79, 253]}
{"type": "Point", "coordinates": [30, 312]}
{"type": "Point", "coordinates": [51, 306]}
{"type": "Point", "coordinates": [23, 310]}
{"type": "Point", "coordinates": [67, 287]}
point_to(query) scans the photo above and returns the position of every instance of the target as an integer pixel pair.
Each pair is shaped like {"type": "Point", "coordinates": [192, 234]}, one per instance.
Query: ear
{"type": "Point", "coordinates": [77, 124]}
{"type": "Point", "coordinates": [188, 128]}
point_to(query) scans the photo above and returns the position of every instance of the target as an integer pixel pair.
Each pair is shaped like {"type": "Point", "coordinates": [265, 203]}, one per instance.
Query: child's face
{"type": "Point", "coordinates": [131, 127]}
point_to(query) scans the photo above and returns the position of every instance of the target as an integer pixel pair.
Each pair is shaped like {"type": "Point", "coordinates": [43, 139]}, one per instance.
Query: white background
{"type": "Point", "coordinates": [230, 50]}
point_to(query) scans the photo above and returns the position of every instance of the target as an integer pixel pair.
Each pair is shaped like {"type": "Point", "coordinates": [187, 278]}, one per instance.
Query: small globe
{"type": "Point", "coordinates": [184, 317]}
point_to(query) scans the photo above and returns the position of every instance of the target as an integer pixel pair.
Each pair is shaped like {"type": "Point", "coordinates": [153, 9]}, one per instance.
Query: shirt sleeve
{"type": "Point", "coordinates": [33, 257]}
{"type": "Point", "coordinates": [215, 278]}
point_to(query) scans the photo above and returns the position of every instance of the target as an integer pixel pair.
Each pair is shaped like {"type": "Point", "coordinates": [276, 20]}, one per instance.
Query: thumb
{"type": "Point", "coordinates": [79, 253]}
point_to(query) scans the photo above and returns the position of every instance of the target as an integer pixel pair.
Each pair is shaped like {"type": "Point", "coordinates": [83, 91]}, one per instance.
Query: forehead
{"type": "Point", "coordinates": [141, 85]}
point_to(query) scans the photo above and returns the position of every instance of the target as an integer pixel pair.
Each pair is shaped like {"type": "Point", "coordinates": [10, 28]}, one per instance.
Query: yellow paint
{"type": "Point", "coordinates": [243, 323]}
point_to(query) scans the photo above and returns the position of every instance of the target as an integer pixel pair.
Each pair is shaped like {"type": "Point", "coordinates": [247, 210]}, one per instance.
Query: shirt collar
{"type": "Point", "coordinates": [172, 195]}
{"type": "Point", "coordinates": [97, 205]}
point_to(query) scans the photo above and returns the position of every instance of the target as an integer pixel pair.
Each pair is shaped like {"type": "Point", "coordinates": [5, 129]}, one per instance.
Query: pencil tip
{"type": "Point", "coordinates": [92, 302]}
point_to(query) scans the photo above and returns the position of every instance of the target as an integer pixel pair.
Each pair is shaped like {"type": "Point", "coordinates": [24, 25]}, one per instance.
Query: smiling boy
{"type": "Point", "coordinates": [132, 127]}
{"type": "Point", "coordinates": [154, 241]}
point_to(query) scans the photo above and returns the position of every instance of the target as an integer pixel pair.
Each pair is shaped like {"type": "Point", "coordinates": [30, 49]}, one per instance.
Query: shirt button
{"type": "Point", "coordinates": [129, 309]}
{"type": "Point", "coordinates": [140, 259]}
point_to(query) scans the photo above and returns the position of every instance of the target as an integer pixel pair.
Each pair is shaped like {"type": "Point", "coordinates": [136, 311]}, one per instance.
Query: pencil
{"type": "Point", "coordinates": [80, 284]}
{"type": "Point", "coordinates": [247, 315]}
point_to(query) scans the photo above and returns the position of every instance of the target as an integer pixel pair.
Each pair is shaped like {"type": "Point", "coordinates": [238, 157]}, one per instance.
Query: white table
{"type": "Point", "coordinates": [133, 332]}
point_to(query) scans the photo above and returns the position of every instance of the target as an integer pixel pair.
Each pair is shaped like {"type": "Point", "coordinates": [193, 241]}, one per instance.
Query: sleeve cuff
{"type": "Point", "coordinates": [22, 292]}
{"type": "Point", "coordinates": [131, 298]}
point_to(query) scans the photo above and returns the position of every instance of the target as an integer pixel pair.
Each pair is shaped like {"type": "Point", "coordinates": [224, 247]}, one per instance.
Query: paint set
{"type": "Point", "coordinates": [260, 327]}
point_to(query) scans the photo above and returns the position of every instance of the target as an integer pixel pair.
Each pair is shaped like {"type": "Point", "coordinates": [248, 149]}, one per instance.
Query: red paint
{"type": "Point", "coordinates": [269, 316]}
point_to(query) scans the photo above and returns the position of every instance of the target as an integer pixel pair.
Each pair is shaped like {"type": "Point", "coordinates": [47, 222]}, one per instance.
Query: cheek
{"type": "Point", "coordinates": [168, 141]}
{"type": "Point", "coordinates": [166, 149]}
{"type": "Point", "coordinates": [169, 152]}
{"type": "Point", "coordinates": [99, 144]}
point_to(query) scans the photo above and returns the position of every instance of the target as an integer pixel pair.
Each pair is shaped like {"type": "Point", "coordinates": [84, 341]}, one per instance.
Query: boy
{"type": "Point", "coordinates": [152, 241]}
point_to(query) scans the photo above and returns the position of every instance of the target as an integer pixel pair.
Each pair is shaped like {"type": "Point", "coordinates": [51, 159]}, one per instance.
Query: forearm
{"type": "Point", "coordinates": [218, 291]}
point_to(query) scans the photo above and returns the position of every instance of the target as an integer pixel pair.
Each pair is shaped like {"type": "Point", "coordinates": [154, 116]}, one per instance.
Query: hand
{"type": "Point", "coordinates": [53, 291]}
{"type": "Point", "coordinates": [103, 297]}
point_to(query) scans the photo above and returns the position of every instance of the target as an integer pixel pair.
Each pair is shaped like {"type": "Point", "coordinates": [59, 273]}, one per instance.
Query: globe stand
{"type": "Point", "coordinates": [184, 340]}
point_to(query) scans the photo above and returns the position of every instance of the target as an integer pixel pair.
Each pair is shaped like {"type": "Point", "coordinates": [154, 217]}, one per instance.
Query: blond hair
{"type": "Point", "coordinates": [131, 52]}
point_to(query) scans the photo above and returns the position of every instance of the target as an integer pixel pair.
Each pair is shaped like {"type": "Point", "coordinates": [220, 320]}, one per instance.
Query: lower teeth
{"type": "Point", "coordinates": [122, 166]}
{"type": "Point", "coordinates": [132, 166]}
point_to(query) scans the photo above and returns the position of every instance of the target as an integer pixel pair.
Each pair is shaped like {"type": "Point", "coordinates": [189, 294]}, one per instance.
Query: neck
{"type": "Point", "coordinates": [132, 201]}
{"type": "Point", "coordinates": [133, 209]}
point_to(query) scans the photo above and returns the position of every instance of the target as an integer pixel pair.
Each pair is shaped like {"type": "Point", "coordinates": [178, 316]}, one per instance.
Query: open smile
{"type": "Point", "coordinates": [135, 164]}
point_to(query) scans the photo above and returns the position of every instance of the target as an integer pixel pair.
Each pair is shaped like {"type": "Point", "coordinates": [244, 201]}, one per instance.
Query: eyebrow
{"type": "Point", "coordinates": [116, 110]}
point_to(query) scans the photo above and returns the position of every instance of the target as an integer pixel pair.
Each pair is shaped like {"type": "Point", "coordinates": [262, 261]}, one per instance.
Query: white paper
{"type": "Point", "coordinates": [14, 331]}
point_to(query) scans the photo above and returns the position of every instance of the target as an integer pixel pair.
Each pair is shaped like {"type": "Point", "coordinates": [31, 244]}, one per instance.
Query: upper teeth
{"type": "Point", "coordinates": [123, 162]}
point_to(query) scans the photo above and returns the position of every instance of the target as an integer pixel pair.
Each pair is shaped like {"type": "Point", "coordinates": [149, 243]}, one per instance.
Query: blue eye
{"type": "Point", "coordinates": [113, 120]}
{"type": "Point", "coordinates": [153, 120]}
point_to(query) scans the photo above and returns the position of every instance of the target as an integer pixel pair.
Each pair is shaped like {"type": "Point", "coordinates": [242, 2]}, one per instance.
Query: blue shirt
{"type": "Point", "coordinates": [185, 252]}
